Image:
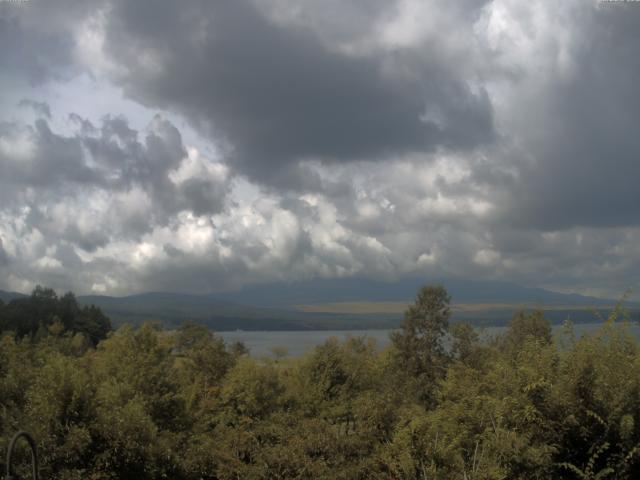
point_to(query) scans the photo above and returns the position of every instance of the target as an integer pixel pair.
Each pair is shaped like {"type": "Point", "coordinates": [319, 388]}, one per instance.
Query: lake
{"type": "Point", "coordinates": [298, 343]}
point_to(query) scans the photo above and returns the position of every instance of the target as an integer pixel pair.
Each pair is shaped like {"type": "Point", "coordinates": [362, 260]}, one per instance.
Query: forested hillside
{"type": "Point", "coordinates": [149, 404]}
{"type": "Point", "coordinates": [44, 313]}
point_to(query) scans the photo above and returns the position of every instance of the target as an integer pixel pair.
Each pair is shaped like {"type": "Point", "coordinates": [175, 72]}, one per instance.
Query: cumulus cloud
{"type": "Point", "coordinates": [4, 258]}
{"type": "Point", "coordinates": [40, 108]}
{"type": "Point", "coordinates": [69, 194]}
{"type": "Point", "coordinates": [482, 138]}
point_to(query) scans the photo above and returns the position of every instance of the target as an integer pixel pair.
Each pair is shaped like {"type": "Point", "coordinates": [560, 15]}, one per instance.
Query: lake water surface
{"type": "Point", "coordinates": [300, 342]}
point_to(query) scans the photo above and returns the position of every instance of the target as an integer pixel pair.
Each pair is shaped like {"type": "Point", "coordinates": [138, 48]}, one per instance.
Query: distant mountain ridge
{"type": "Point", "coordinates": [8, 296]}
{"type": "Point", "coordinates": [356, 289]}
{"type": "Point", "coordinates": [287, 295]}
{"type": "Point", "coordinates": [275, 306]}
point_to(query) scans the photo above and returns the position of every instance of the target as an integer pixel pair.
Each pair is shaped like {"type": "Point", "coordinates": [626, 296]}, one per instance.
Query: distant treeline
{"type": "Point", "coordinates": [150, 404]}
{"type": "Point", "coordinates": [43, 313]}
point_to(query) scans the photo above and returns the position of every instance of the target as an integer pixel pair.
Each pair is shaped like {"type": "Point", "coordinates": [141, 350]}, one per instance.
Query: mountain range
{"type": "Point", "coordinates": [350, 303]}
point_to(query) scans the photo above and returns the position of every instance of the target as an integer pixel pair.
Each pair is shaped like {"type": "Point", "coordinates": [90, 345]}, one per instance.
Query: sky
{"type": "Point", "coordinates": [200, 146]}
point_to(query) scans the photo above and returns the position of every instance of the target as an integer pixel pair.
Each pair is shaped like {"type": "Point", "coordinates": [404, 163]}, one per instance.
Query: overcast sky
{"type": "Point", "coordinates": [199, 146]}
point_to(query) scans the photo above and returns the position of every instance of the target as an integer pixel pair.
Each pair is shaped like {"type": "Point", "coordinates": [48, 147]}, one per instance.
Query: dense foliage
{"type": "Point", "coordinates": [44, 312]}
{"type": "Point", "coordinates": [437, 404]}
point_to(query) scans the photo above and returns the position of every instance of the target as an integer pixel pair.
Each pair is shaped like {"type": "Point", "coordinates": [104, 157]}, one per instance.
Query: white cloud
{"type": "Point", "coordinates": [486, 257]}
{"type": "Point", "coordinates": [118, 199]}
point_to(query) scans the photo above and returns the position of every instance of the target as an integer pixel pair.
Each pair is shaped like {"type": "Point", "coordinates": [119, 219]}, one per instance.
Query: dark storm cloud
{"type": "Point", "coordinates": [582, 134]}
{"type": "Point", "coordinates": [201, 196]}
{"type": "Point", "coordinates": [277, 94]}
{"type": "Point", "coordinates": [37, 38]}
{"type": "Point", "coordinates": [22, 58]}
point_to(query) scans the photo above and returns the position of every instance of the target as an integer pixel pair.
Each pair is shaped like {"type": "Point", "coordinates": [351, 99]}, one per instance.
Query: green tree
{"type": "Point", "coordinates": [33, 316]}
{"type": "Point", "coordinates": [527, 326]}
{"type": "Point", "coordinates": [419, 344]}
